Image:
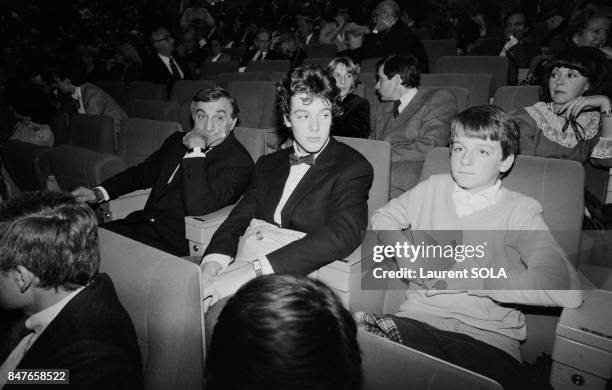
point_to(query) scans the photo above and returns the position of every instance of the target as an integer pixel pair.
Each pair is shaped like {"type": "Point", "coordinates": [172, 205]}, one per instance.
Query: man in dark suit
{"type": "Point", "coordinates": [262, 50]}
{"type": "Point", "coordinates": [191, 174]}
{"type": "Point", "coordinates": [392, 36]}
{"type": "Point", "coordinates": [72, 318]}
{"type": "Point", "coordinates": [317, 188]}
{"type": "Point", "coordinates": [162, 67]}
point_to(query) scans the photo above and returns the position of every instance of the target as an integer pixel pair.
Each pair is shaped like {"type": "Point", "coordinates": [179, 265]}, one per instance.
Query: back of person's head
{"type": "Point", "coordinates": [53, 236]}
{"type": "Point", "coordinates": [488, 123]}
{"type": "Point", "coordinates": [283, 332]}
{"type": "Point", "coordinates": [212, 95]}
{"type": "Point", "coordinates": [590, 62]}
{"type": "Point", "coordinates": [71, 69]}
{"type": "Point", "coordinates": [405, 66]}
{"type": "Point", "coordinates": [581, 18]}
{"type": "Point", "coordinates": [312, 81]}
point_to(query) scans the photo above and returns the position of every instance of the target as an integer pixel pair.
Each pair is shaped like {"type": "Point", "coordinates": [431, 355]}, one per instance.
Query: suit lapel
{"type": "Point", "coordinates": [276, 184]}
{"type": "Point", "coordinates": [412, 107]}
{"type": "Point", "coordinates": [311, 179]}
{"type": "Point", "coordinates": [175, 157]}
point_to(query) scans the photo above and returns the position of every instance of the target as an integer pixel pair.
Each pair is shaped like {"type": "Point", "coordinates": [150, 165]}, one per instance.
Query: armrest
{"type": "Point", "coordinates": [122, 206]}
{"type": "Point", "coordinates": [200, 229]}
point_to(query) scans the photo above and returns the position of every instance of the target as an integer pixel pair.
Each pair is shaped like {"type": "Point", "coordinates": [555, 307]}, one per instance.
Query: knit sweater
{"type": "Point", "coordinates": [517, 239]}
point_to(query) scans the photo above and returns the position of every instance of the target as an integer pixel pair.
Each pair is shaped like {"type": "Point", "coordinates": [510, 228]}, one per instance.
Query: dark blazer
{"type": "Point", "coordinates": [329, 205]}
{"type": "Point", "coordinates": [202, 185]}
{"type": "Point", "coordinates": [94, 338]}
{"type": "Point", "coordinates": [224, 57]}
{"type": "Point", "coordinates": [399, 39]}
{"type": "Point", "coordinates": [355, 118]}
{"type": "Point", "coordinates": [271, 55]}
{"type": "Point", "coordinates": [156, 71]}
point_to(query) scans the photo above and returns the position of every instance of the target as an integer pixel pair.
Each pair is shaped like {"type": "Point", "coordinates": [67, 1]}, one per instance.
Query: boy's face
{"type": "Point", "coordinates": [310, 122]}
{"type": "Point", "coordinates": [476, 164]}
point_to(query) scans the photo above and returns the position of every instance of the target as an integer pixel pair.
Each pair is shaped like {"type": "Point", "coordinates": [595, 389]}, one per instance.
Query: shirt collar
{"type": "Point", "coordinates": [300, 153]}
{"type": "Point", "coordinates": [491, 194]}
{"type": "Point", "coordinates": [406, 99]}
{"type": "Point", "coordinates": [38, 322]}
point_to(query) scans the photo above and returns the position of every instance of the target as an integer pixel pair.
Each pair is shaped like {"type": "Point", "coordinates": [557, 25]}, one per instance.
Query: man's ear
{"type": "Point", "coordinates": [286, 120]}
{"type": "Point", "coordinates": [507, 164]}
{"type": "Point", "coordinates": [24, 278]}
{"type": "Point", "coordinates": [233, 122]}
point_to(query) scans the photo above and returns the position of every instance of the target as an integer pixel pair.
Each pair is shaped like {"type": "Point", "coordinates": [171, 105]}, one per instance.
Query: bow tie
{"type": "Point", "coordinates": [296, 160]}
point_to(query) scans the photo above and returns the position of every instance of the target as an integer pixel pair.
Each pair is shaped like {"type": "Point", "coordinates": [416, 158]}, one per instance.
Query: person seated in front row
{"type": "Point", "coordinates": [355, 118]}
{"type": "Point", "coordinates": [319, 338]}
{"type": "Point", "coordinates": [416, 122]}
{"type": "Point", "coordinates": [474, 323]}
{"type": "Point", "coordinates": [306, 205]}
{"type": "Point", "coordinates": [192, 173]}
{"type": "Point", "coordinates": [70, 316]}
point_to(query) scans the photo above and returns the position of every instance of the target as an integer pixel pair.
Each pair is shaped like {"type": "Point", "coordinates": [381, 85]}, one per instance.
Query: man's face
{"type": "Point", "coordinates": [476, 164]}
{"type": "Point", "coordinates": [303, 27]}
{"type": "Point", "coordinates": [387, 87]}
{"type": "Point", "coordinates": [163, 42]}
{"type": "Point", "coordinates": [383, 19]}
{"type": "Point", "coordinates": [595, 34]}
{"type": "Point", "coordinates": [63, 85]}
{"type": "Point", "coordinates": [515, 25]}
{"type": "Point", "coordinates": [263, 41]}
{"type": "Point", "coordinates": [213, 119]}
{"type": "Point", "coordinates": [310, 121]}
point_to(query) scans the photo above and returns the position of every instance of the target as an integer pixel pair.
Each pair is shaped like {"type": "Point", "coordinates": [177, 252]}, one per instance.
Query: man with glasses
{"type": "Point", "coordinates": [162, 67]}
{"type": "Point", "coordinates": [262, 50]}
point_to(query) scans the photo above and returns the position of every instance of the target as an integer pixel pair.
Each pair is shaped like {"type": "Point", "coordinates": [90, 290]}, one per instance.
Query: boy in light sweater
{"type": "Point", "coordinates": [474, 323]}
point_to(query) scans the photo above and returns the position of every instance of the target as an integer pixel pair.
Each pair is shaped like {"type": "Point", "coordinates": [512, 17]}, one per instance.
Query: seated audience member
{"type": "Point", "coordinates": [196, 16]}
{"type": "Point", "coordinates": [418, 121]}
{"type": "Point", "coordinates": [354, 34]}
{"type": "Point", "coordinates": [474, 323]}
{"type": "Point", "coordinates": [518, 47]}
{"type": "Point", "coordinates": [216, 50]}
{"type": "Point", "coordinates": [192, 173]}
{"type": "Point", "coordinates": [261, 51]}
{"type": "Point", "coordinates": [333, 31]}
{"type": "Point", "coordinates": [88, 98]}
{"type": "Point", "coordinates": [391, 36]}
{"type": "Point", "coordinates": [305, 29]}
{"type": "Point", "coordinates": [319, 344]}
{"type": "Point", "coordinates": [162, 67]}
{"type": "Point", "coordinates": [587, 27]}
{"type": "Point", "coordinates": [355, 118]}
{"type": "Point", "coordinates": [306, 205]}
{"type": "Point", "coordinates": [72, 318]}
{"type": "Point", "coordinates": [190, 50]}
{"type": "Point", "coordinates": [575, 120]}
{"type": "Point", "coordinates": [291, 50]}
{"type": "Point", "coordinates": [127, 66]}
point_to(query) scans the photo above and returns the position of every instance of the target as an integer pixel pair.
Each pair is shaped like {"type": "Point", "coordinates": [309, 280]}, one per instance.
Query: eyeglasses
{"type": "Point", "coordinates": [166, 37]}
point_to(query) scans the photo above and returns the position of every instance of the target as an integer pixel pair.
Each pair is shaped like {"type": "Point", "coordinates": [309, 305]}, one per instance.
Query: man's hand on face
{"type": "Point", "coordinates": [82, 194]}
{"type": "Point", "coordinates": [194, 139]}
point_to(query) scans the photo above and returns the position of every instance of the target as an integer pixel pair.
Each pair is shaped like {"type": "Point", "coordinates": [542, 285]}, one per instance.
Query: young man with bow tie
{"type": "Point", "coordinates": [312, 195]}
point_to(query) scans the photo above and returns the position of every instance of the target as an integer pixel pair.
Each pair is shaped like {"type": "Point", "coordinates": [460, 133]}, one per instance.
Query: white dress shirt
{"type": "Point", "coordinates": [406, 99]}
{"type": "Point", "coordinates": [467, 202]}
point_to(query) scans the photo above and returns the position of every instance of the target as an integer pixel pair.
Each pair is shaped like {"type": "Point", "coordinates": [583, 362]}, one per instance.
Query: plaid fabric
{"type": "Point", "coordinates": [379, 324]}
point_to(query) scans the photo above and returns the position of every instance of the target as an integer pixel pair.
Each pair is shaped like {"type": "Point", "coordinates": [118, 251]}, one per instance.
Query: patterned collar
{"type": "Point", "coordinates": [551, 124]}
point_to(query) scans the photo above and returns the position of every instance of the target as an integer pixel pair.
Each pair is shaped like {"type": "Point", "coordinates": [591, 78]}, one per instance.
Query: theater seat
{"type": "Point", "coordinates": [160, 110]}
{"type": "Point", "coordinates": [498, 66]}
{"type": "Point", "coordinates": [321, 61]}
{"type": "Point", "coordinates": [73, 167]}
{"type": "Point", "coordinates": [139, 138]}
{"type": "Point", "coordinates": [436, 48]}
{"type": "Point", "coordinates": [392, 366]}
{"type": "Point", "coordinates": [321, 50]}
{"type": "Point", "coordinates": [512, 98]}
{"type": "Point", "coordinates": [478, 84]}
{"type": "Point", "coordinates": [184, 90]}
{"type": "Point", "coordinates": [114, 88]}
{"type": "Point", "coordinates": [268, 66]}
{"type": "Point", "coordinates": [95, 132]}
{"type": "Point", "coordinates": [257, 102]}
{"type": "Point", "coordinates": [161, 294]}
{"type": "Point", "coordinates": [223, 79]}
{"type": "Point", "coordinates": [146, 90]}
{"type": "Point", "coordinates": [210, 70]}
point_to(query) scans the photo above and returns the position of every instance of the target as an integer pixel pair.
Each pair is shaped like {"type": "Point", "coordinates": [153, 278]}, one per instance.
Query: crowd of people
{"type": "Point", "coordinates": [306, 204]}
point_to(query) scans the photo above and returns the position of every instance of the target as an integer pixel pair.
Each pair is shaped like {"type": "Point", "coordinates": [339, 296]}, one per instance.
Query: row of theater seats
{"type": "Point", "coordinates": [162, 294]}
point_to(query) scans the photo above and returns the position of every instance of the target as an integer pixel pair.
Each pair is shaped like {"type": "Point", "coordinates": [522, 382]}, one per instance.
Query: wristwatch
{"type": "Point", "coordinates": [257, 267]}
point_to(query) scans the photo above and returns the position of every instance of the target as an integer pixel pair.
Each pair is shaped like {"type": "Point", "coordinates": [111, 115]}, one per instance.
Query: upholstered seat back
{"type": "Point", "coordinates": [161, 294]}
{"type": "Point", "coordinates": [184, 90]}
{"type": "Point", "coordinates": [146, 90]}
{"type": "Point", "coordinates": [159, 110]}
{"type": "Point", "coordinates": [257, 102]}
{"type": "Point", "coordinates": [511, 98]}
{"type": "Point", "coordinates": [496, 65]}
{"type": "Point", "coordinates": [139, 138]}
{"type": "Point", "coordinates": [95, 132]}
{"type": "Point", "coordinates": [478, 84]}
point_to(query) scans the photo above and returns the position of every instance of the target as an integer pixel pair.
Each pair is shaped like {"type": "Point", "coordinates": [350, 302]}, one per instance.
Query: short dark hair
{"type": "Point", "coordinates": [488, 122]}
{"type": "Point", "coordinates": [405, 66]}
{"type": "Point", "coordinates": [53, 236]}
{"type": "Point", "coordinates": [72, 69]}
{"type": "Point", "coordinates": [590, 62]}
{"type": "Point", "coordinates": [581, 18]}
{"type": "Point", "coordinates": [517, 11]}
{"type": "Point", "coordinates": [214, 94]}
{"type": "Point", "coordinates": [284, 332]}
{"type": "Point", "coordinates": [313, 81]}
